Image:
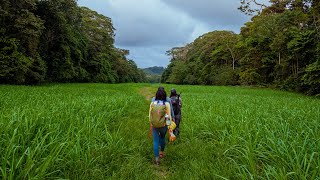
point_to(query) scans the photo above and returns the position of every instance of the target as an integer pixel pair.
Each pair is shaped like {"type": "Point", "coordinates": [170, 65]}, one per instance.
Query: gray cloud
{"type": "Point", "coordinates": [149, 23]}
{"type": "Point", "coordinates": [149, 55]}
{"type": "Point", "coordinates": [212, 12]}
{"type": "Point", "coordinates": [148, 28]}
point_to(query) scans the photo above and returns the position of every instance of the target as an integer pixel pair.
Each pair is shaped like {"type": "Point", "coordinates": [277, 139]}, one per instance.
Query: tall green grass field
{"type": "Point", "coordinates": [100, 131]}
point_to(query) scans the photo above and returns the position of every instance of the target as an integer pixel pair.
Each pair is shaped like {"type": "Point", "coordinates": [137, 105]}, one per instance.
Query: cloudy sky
{"type": "Point", "coordinates": [148, 28]}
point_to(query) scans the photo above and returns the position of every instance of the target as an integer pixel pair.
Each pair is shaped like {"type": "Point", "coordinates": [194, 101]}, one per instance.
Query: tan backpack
{"type": "Point", "coordinates": [157, 114]}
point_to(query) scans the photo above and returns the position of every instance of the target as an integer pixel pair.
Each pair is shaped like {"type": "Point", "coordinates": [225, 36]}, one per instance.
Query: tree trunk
{"type": "Point", "coordinates": [297, 67]}
{"type": "Point", "coordinates": [232, 55]}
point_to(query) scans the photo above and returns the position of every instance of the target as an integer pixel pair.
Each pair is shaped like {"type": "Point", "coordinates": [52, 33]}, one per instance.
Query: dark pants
{"type": "Point", "coordinates": [177, 119]}
{"type": "Point", "coordinates": [159, 135]}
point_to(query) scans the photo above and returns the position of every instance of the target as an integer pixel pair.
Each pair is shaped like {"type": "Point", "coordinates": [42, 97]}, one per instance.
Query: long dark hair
{"type": "Point", "coordinates": [161, 94]}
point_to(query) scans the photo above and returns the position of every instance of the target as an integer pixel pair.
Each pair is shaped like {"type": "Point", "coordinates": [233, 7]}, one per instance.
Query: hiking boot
{"type": "Point", "coordinates": [161, 154]}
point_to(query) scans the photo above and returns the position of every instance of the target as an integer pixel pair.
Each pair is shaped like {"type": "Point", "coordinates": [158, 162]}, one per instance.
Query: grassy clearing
{"type": "Point", "coordinates": [78, 131]}
{"type": "Point", "coordinates": [99, 131]}
{"type": "Point", "coordinates": [241, 133]}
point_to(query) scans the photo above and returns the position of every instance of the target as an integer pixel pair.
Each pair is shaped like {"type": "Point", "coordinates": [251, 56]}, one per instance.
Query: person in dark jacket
{"type": "Point", "coordinates": [176, 104]}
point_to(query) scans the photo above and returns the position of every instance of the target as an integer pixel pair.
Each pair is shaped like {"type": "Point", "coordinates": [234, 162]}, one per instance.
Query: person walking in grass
{"type": "Point", "coordinates": [176, 103]}
{"type": "Point", "coordinates": [159, 113]}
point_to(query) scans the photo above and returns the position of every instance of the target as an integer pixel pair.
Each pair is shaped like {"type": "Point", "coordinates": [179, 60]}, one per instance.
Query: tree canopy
{"type": "Point", "coordinates": [58, 41]}
{"type": "Point", "coordinates": [279, 47]}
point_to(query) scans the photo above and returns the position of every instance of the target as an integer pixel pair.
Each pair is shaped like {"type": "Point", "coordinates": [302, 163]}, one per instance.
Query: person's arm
{"type": "Point", "coordinates": [168, 110]}
{"type": "Point", "coordinates": [180, 100]}
{"type": "Point", "coordinates": [150, 112]}
{"type": "Point", "coordinates": [171, 121]}
{"type": "Point", "coordinates": [152, 101]}
{"type": "Point", "coordinates": [150, 129]}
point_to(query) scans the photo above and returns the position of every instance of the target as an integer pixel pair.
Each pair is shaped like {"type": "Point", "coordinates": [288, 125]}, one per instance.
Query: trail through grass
{"type": "Point", "coordinates": [99, 131]}
{"type": "Point", "coordinates": [161, 172]}
{"type": "Point", "coordinates": [147, 92]}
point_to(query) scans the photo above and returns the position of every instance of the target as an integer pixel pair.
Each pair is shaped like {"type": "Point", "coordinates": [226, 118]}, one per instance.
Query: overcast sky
{"type": "Point", "coordinates": [148, 28]}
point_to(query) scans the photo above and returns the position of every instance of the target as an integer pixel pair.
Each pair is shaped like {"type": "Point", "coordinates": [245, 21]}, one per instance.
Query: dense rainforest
{"type": "Point", "coordinates": [279, 47]}
{"type": "Point", "coordinates": [58, 41]}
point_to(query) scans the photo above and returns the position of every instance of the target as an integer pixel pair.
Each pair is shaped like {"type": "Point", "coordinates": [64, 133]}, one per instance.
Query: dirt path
{"type": "Point", "coordinates": [162, 170]}
{"type": "Point", "coordinates": [147, 92]}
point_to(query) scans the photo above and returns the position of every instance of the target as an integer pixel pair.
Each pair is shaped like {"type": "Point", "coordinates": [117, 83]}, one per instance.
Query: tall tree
{"type": "Point", "coordinates": [99, 32]}
{"type": "Point", "coordinates": [60, 41]}
{"type": "Point", "coordinates": [20, 34]}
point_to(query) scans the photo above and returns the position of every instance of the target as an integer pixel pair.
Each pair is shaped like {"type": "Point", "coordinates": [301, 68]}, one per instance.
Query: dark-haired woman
{"type": "Point", "coordinates": [159, 131]}
{"type": "Point", "coordinates": [168, 100]}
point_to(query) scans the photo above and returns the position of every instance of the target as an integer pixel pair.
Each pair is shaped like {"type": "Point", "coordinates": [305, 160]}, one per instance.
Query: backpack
{"type": "Point", "coordinates": [157, 114]}
{"type": "Point", "coordinates": [175, 101]}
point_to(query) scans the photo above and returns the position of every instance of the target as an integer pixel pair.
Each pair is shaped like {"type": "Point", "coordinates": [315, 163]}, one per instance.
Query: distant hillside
{"type": "Point", "coordinates": [153, 74]}
{"type": "Point", "coordinates": [157, 70]}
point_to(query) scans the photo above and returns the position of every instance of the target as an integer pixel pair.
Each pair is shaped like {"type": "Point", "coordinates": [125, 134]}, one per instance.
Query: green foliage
{"type": "Point", "coordinates": [78, 131]}
{"type": "Point", "coordinates": [312, 78]}
{"type": "Point", "coordinates": [279, 47]}
{"type": "Point", "coordinates": [249, 77]}
{"type": "Point", "coordinates": [154, 70]}
{"type": "Point", "coordinates": [13, 64]}
{"type": "Point", "coordinates": [57, 41]}
{"type": "Point", "coordinates": [99, 131]}
{"type": "Point", "coordinates": [166, 73]}
{"type": "Point", "coordinates": [246, 138]}
{"type": "Point", "coordinates": [205, 60]}
{"type": "Point", "coordinates": [178, 73]}
{"type": "Point", "coordinates": [37, 71]}
{"type": "Point", "coordinates": [153, 78]}
{"type": "Point", "coordinates": [20, 35]}
{"type": "Point", "coordinates": [225, 76]}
